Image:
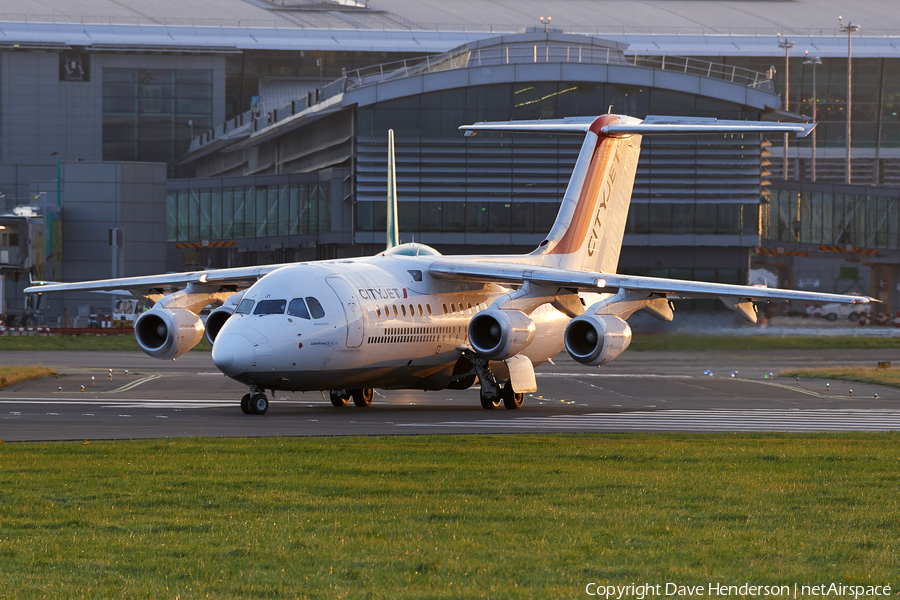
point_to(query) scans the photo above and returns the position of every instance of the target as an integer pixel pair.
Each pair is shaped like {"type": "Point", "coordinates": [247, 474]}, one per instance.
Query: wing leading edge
{"type": "Point", "coordinates": [510, 273]}
{"type": "Point", "coordinates": [156, 285]}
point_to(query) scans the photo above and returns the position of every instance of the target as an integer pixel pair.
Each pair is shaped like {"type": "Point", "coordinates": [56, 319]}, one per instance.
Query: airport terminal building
{"type": "Point", "coordinates": [270, 121]}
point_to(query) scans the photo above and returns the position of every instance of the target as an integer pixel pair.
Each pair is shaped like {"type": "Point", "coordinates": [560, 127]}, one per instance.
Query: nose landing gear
{"type": "Point", "coordinates": [254, 403]}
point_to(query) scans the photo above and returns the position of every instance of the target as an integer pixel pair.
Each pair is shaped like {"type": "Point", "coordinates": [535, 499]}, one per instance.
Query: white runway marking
{"type": "Point", "coordinates": [147, 403]}
{"type": "Point", "coordinates": [133, 384]}
{"type": "Point", "coordinates": [696, 421]}
{"type": "Point", "coordinates": [613, 375]}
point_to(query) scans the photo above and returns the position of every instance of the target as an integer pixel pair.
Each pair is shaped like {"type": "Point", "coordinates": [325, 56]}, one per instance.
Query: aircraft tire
{"type": "Point", "coordinates": [363, 397]}
{"type": "Point", "coordinates": [259, 404]}
{"type": "Point", "coordinates": [512, 400]}
{"type": "Point", "coordinates": [489, 401]}
{"type": "Point", "coordinates": [338, 399]}
{"type": "Point", "coordinates": [245, 404]}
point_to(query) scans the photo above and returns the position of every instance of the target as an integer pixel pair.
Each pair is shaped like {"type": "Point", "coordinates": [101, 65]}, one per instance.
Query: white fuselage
{"type": "Point", "coordinates": [386, 324]}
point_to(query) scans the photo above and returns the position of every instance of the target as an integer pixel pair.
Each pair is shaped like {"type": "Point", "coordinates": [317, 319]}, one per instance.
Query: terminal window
{"type": "Point", "coordinates": [150, 114]}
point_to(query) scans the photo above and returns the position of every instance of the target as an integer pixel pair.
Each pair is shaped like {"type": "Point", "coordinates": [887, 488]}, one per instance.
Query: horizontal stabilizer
{"type": "Point", "coordinates": [652, 125]}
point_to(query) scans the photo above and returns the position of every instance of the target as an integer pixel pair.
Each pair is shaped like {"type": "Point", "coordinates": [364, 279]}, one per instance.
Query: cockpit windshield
{"type": "Point", "coordinates": [298, 308]}
{"type": "Point", "coordinates": [270, 307]}
{"type": "Point", "coordinates": [244, 307]}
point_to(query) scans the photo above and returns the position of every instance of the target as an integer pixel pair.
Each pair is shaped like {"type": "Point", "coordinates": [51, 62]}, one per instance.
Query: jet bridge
{"type": "Point", "coordinates": [21, 258]}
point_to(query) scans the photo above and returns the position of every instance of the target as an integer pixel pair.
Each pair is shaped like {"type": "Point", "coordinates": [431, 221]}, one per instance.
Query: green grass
{"type": "Point", "coordinates": [17, 373]}
{"type": "Point", "coordinates": [686, 341]}
{"type": "Point", "coordinates": [889, 377]}
{"type": "Point", "coordinates": [435, 517]}
{"type": "Point", "coordinates": [105, 343]}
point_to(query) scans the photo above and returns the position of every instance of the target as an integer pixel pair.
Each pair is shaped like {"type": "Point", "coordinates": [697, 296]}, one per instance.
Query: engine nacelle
{"type": "Point", "coordinates": [498, 334]}
{"type": "Point", "coordinates": [168, 332]}
{"type": "Point", "coordinates": [216, 319]}
{"type": "Point", "coordinates": [595, 340]}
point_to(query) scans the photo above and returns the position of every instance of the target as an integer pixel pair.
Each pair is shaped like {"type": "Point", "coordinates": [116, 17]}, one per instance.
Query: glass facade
{"type": "Point", "coordinates": [827, 214]}
{"type": "Point", "coordinates": [441, 113]}
{"type": "Point", "coordinates": [536, 217]}
{"type": "Point", "coordinates": [251, 211]}
{"type": "Point", "coordinates": [150, 114]}
{"type": "Point", "coordinates": [514, 184]}
{"type": "Point", "coordinates": [874, 83]}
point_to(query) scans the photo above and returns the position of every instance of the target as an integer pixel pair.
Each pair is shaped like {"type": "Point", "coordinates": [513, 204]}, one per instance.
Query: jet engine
{"type": "Point", "coordinates": [216, 319]}
{"type": "Point", "coordinates": [498, 334]}
{"type": "Point", "coordinates": [168, 333]}
{"type": "Point", "coordinates": [595, 340]}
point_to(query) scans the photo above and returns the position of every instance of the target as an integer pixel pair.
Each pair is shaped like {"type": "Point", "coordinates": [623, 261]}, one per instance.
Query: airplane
{"type": "Point", "coordinates": [410, 318]}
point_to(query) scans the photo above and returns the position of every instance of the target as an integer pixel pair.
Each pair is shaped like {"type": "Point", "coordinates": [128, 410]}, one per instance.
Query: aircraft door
{"type": "Point", "coordinates": [356, 324]}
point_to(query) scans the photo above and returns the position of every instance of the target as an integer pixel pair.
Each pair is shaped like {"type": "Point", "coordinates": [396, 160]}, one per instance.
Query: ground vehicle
{"type": "Point", "coordinates": [832, 311]}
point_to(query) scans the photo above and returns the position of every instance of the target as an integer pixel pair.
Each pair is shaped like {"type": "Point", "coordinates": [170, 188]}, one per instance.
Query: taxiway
{"type": "Point", "coordinates": [640, 391]}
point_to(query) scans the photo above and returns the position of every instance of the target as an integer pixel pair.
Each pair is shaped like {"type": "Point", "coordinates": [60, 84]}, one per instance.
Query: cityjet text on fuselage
{"type": "Point", "coordinates": [381, 293]}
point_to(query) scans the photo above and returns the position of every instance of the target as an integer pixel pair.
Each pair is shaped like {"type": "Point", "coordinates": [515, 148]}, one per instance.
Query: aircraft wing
{"type": "Point", "coordinates": [156, 285]}
{"type": "Point", "coordinates": [509, 273]}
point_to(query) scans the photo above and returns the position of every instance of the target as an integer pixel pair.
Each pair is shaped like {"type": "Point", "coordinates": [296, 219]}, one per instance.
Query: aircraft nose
{"type": "Point", "coordinates": [233, 354]}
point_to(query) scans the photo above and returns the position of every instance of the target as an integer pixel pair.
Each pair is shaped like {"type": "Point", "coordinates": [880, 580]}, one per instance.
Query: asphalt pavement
{"type": "Point", "coordinates": [640, 391]}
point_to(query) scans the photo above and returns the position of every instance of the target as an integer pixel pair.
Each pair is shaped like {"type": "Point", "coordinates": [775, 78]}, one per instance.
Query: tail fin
{"type": "Point", "coordinates": [393, 230]}
{"type": "Point", "coordinates": [588, 232]}
{"type": "Point", "coordinates": [590, 226]}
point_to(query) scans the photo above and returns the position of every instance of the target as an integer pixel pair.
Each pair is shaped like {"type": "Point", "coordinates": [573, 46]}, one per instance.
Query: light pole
{"type": "Point", "coordinates": [850, 28]}
{"type": "Point", "coordinates": [787, 45]}
{"type": "Point", "coordinates": [814, 61]}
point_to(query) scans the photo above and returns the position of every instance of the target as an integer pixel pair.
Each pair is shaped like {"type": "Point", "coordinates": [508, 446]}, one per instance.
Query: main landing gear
{"type": "Point", "coordinates": [512, 400]}
{"type": "Point", "coordinates": [493, 390]}
{"type": "Point", "coordinates": [254, 403]}
{"type": "Point", "coordinates": [361, 397]}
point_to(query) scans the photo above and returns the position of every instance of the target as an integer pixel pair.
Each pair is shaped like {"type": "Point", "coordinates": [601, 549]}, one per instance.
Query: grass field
{"type": "Point", "coordinates": [437, 517]}
{"type": "Point", "coordinates": [889, 377]}
{"type": "Point", "coordinates": [17, 373]}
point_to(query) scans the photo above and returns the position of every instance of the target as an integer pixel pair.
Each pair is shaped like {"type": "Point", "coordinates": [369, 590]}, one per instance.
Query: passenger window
{"type": "Point", "coordinates": [428, 309]}
{"type": "Point", "coordinates": [297, 308]}
{"type": "Point", "coordinates": [403, 309]}
{"type": "Point", "coordinates": [395, 309]}
{"type": "Point", "coordinates": [377, 311]}
{"type": "Point", "coordinates": [419, 306]}
{"type": "Point", "coordinates": [270, 307]}
{"type": "Point", "coordinates": [244, 307]}
{"type": "Point", "coordinates": [452, 307]}
{"type": "Point", "coordinates": [444, 306]}
{"type": "Point", "coordinates": [315, 309]}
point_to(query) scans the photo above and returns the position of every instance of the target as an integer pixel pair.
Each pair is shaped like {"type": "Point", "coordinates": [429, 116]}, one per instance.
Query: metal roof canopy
{"type": "Point", "coordinates": [174, 38]}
